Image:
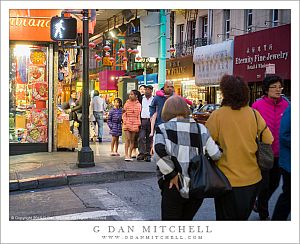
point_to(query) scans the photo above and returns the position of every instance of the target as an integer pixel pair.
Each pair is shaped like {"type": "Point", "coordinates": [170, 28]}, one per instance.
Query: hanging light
{"type": "Point", "coordinates": [92, 45]}
{"type": "Point", "coordinates": [129, 50]}
{"type": "Point", "coordinates": [121, 50]}
{"type": "Point", "coordinates": [96, 56]}
{"type": "Point", "coordinates": [138, 58]}
{"type": "Point", "coordinates": [111, 59]}
{"type": "Point", "coordinates": [125, 59]}
{"type": "Point", "coordinates": [99, 58]}
{"type": "Point", "coordinates": [172, 50]}
{"type": "Point", "coordinates": [135, 51]}
{"type": "Point", "coordinates": [107, 54]}
{"type": "Point", "coordinates": [106, 48]}
{"type": "Point", "coordinates": [118, 53]}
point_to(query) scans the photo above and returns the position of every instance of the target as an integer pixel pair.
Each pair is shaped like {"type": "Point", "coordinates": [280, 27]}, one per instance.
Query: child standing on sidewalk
{"type": "Point", "coordinates": [114, 123]}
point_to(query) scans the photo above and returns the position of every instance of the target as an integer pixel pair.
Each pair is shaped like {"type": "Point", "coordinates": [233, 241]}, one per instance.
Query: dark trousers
{"type": "Point", "coordinates": [283, 204]}
{"type": "Point", "coordinates": [144, 140]}
{"type": "Point", "coordinates": [175, 207]}
{"type": "Point", "coordinates": [236, 204]}
{"type": "Point", "coordinates": [270, 182]}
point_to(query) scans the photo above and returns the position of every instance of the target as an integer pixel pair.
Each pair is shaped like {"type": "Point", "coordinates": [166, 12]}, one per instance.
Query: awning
{"type": "Point", "coordinates": [212, 62]}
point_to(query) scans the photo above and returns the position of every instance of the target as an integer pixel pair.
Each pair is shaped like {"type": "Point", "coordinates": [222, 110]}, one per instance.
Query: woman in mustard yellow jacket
{"type": "Point", "coordinates": [234, 128]}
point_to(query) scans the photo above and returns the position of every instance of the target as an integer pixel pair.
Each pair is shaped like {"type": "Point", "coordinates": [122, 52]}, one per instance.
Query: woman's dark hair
{"type": "Point", "coordinates": [235, 92]}
{"type": "Point", "coordinates": [269, 80]}
{"type": "Point", "coordinates": [96, 93]}
{"type": "Point", "coordinates": [138, 95]}
{"type": "Point", "coordinates": [119, 101]}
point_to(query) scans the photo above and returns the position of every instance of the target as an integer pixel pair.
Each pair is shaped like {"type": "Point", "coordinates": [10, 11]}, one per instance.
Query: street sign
{"type": "Point", "coordinates": [63, 29]}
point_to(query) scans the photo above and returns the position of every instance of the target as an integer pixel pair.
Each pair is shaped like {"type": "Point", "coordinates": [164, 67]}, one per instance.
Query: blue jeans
{"type": "Point", "coordinates": [99, 119]}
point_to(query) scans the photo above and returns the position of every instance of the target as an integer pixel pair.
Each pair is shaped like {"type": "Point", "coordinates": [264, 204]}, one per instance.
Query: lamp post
{"type": "Point", "coordinates": [162, 49]}
{"type": "Point", "coordinates": [86, 154]}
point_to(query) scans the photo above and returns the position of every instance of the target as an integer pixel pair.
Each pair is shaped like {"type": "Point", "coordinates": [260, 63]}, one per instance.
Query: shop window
{"type": "Point", "coordinates": [28, 94]}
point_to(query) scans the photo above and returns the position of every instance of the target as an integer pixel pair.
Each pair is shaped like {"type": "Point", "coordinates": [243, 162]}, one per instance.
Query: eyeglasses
{"type": "Point", "coordinates": [276, 87]}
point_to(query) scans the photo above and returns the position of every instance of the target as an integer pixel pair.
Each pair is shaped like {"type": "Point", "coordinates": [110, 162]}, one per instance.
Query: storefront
{"type": "Point", "coordinates": [181, 72]}
{"type": "Point", "coordinates": [261, 53]}
{"type": "Point", "coordinates": [30, 81]}
{"type": "Point", "coordinates": [35, 79]}
{"type": "Point", "coordinates": [211, 63]}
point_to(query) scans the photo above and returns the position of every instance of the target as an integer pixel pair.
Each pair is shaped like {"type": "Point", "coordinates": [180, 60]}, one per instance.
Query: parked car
{"type": "Point", "coordinates": [202, 114]}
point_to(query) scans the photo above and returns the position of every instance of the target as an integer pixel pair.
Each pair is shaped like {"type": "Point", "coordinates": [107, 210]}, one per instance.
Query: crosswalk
{"type": "Point", "coordinates": [114, 209]}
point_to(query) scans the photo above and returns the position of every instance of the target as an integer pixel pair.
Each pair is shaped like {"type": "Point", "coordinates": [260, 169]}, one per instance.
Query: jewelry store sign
{"type": "Point", "coordinates": [258, 53]}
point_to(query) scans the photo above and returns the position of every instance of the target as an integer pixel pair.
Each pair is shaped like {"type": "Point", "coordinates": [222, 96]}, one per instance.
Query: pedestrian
{"type": "Point", "coordinates": [76, 111]}
{"type": "Point", "coordinates": [72, 104]}
{"type": "Point", "coordinates": [180, 145]}
{"type": "Point", "coordinates": [114, 123]}
{"type": "Point", "coordinates": [99, 107]}
{"type": "Point", "coordinates": [283, 204]}
{"type": "Point", "coordinates": [200, 104]}
{"type": "Point", "coordinates": [131, 122]}
{"type": "Point", "coordinates": [234, 128]}
{"type": "Point", "coordinates": [145, 141]}
{"type": "Point", "coordinates": [142, 90]}
{"type": "Point", "coordinates": [92, 122]}
{"type": "Point", "coordinates": [271, 107]}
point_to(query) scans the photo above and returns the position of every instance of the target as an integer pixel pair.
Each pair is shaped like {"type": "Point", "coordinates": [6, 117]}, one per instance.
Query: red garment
{"type": "Point", "coordinates": [272, 112]}
{"type": "Point", "coordinates": [132, 116]}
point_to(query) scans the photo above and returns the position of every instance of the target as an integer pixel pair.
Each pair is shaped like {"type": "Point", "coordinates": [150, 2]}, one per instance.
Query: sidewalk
{"type": "Point", "coordinates": [41, 170]}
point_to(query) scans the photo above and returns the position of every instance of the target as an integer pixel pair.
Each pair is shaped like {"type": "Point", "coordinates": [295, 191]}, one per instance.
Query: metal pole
{"type": "Point", "coordinates": [85, 155]}
{"type": "Point", "coordinates": [162, 49]}
{"type": "Point", "coordinates": [145, 71]}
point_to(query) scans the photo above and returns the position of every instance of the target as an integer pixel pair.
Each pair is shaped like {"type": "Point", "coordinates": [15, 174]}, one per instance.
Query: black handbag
{"type": "Point", "coordinates": [264, 153]}
{"type": "Point", "coordinates": [206, 179]}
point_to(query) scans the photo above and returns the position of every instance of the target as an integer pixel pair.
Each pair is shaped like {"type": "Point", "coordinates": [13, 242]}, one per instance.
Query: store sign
{"type": "Point", "coordinates": [106, 61]}
{"type": "Point", "coordinates": [109, 78]}
{"type": "Point", "coordinates": [180, 68]}
{"type": "Point", "coordinates": [151, 79]}
{"type": "Point", "coordinates": [212, 62]}
{"type": "Point", "coordinates": [256, 54]}
{"type": "Point", "coordinates": [34, 24]}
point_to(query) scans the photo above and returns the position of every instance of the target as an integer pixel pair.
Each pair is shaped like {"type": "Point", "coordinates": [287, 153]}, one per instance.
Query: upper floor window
{"type": "Point", "coordinates": [249, 20]}
{"type": "Point", "coordinates": [192, 29]}
{"type": "Point", "coordinates": [227, 23]}
{"type": "Point", "coordinates": [275, 18]}
{"type": "Point", "coordinates": [180, 33]}
{"type": "Point", "coordinates": [205, 27]}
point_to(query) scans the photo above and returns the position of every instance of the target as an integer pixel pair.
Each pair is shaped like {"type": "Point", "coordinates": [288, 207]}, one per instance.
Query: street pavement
{"type": "Point", "coordinates": [44, 169]}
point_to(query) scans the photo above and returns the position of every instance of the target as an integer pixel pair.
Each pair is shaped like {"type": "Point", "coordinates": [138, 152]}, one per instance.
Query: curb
{"type": "Point", "coordinates": [72, 179]}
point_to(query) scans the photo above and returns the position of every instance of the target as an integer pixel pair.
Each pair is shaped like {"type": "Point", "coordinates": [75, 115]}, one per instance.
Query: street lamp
{"type": "Point", "coordinates": [86, 154]}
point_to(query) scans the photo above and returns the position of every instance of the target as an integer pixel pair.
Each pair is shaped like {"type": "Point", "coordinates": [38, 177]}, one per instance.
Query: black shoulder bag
{"type": "Point", "coordinates": [206, 179]}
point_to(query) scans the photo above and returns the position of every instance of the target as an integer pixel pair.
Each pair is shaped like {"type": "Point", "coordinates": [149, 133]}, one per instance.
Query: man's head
{"type": "Point", "coordinates": [148, 91]}
{"type": "Point", "coordinates": [168, 88]}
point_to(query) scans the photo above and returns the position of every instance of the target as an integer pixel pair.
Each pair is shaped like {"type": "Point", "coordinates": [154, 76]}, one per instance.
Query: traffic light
{"type": "Point", "coordinates": [63, 29]}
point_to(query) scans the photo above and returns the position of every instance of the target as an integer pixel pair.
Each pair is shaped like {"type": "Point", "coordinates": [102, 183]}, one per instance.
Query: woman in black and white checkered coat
{"type": "Point", "coordinates": [178, 141]}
